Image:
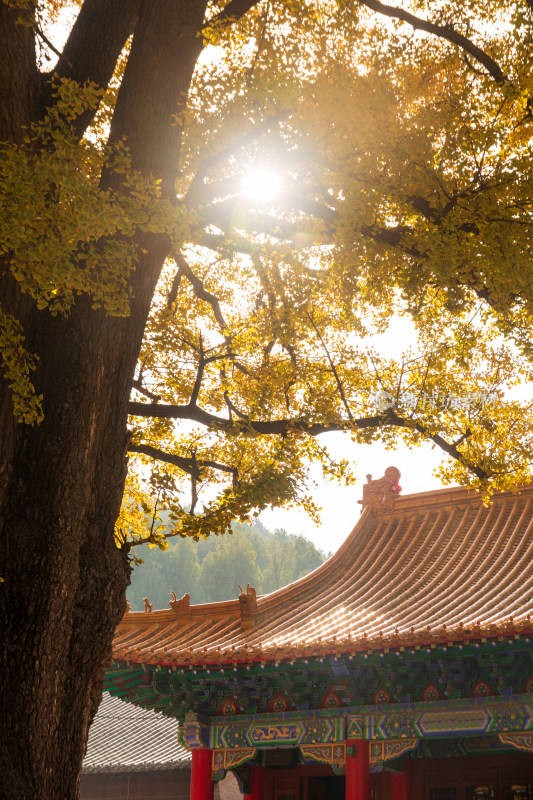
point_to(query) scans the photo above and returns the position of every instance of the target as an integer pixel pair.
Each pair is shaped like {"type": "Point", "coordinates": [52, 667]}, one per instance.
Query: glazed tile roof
{"type": "Point", "coordinates": [441, 567]}
{"type": "Point", "coordinates": [125, 738]}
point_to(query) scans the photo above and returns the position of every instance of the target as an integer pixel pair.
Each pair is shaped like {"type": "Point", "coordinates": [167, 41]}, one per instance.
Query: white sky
{"type": "Point", "coordinates": [340, 509]}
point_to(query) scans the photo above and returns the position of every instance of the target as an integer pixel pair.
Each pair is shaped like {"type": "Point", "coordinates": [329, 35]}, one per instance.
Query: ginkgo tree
{"type": "Point", "coordinates": [177, 334]}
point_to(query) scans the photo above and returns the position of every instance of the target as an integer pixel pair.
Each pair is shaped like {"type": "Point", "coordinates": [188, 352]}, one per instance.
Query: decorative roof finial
{"type": "Point", "coordinates": [379, 495]}
{"type": "Point", "coordinates": [148, 606]}
{"type": "Point", "coordinates": [181, 605]}
{"type": "Point", "coordinates": [248, 606]}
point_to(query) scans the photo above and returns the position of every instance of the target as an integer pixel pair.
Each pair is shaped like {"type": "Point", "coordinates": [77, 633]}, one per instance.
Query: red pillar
{"type": "Point", "coordinates": [357, 770]}
{"type": "Point", "coordinates": [401, 782]}
{"type": "Point", "coordinates": [201, 781]}
{"type": "Point", "coordinates": [256, 792]}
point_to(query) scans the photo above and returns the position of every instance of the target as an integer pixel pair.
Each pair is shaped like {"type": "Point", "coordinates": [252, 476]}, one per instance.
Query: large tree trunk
{"type": "Point", "coordinates": [65, 579]}
{"type": "Point", "coordinates": [61, 482]}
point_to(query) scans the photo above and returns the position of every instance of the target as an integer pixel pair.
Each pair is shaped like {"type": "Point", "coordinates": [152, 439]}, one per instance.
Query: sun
{"type": "Point", "coordinates": [261, 185]}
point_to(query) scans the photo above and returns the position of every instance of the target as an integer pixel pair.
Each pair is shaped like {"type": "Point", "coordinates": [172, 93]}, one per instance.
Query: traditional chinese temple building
{"type": "Point", "coordinates": [401, 669]}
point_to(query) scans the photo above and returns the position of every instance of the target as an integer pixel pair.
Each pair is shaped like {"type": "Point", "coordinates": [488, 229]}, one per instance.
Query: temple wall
{"type": "Point", "coordinates": [156, 785]}
{"type": "Point", "coordinates": [146, 785]}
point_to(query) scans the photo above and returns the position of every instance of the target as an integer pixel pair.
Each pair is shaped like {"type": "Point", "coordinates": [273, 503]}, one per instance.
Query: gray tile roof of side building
{"type": "Point", "coordinates": [124, 737]}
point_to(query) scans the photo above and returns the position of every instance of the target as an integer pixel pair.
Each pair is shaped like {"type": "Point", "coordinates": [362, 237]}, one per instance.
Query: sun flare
{"type": "Point", "coordinates": [261, 185]}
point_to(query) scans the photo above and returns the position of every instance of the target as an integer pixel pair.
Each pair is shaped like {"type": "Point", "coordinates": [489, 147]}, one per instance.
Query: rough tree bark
{"type": "Point", "coordinates": [61, 482]}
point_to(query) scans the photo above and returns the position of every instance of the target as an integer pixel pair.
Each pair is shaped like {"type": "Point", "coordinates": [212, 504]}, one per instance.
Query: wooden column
{"type": "Point", "coordinates": [357, 770]}
{"type": "Point", "coordinates": [256, 792]}
{"type": "Point", "coordinates": [401, 782]}
{"type": "Point", "coordinates": [202, 785]}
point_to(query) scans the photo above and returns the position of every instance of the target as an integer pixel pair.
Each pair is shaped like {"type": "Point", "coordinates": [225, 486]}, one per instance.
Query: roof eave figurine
{"type": "Point", "coordinates": [379, 495]}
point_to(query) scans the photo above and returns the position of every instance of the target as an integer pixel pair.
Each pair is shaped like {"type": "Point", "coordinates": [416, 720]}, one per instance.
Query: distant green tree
{"type": "Point", "coordinates": [209, 570]}
{"type": "Point", "coordinates": [273, 575]}
{"type": "Point", "coordinates": [306, 556]}
{"type": "Point", "coordinates": [229, 565]}
{"type": "Point", "coordinates": [291, 558]}
{"type": "Point", "coordinates": [156, 577]}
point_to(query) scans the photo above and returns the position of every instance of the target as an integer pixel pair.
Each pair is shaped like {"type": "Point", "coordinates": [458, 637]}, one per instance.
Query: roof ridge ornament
{"type": "Point", "coordinates": [379, 495]}
{"type": "Point", "coordinates": [248, 606]}
{"type": "Point", "coordinates": [181, 605]}
{"type": "Point", "coordinates": [148, 606]}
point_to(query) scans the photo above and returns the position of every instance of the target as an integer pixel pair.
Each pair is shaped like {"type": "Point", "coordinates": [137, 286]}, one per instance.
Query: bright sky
{"type": "Point", "coordinates": [340, 510]}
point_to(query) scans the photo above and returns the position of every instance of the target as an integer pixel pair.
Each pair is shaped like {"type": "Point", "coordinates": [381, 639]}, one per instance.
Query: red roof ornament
{"type": "Point", "coordinates": [379, 495]}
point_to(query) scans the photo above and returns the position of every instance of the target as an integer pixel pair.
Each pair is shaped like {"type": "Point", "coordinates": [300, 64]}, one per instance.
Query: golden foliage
{"type": "Point", "coordinates": [406, 190]}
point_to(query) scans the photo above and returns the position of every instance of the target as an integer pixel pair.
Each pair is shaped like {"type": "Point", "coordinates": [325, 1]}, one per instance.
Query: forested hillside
{"type": "Point", "coordinates": [210, 569]}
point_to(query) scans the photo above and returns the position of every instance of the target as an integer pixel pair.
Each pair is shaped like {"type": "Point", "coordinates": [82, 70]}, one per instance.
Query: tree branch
{"type": "Point", "coordinates": [280, 426]}
{"type": "Point", "coordinates": [194, 492]}
{"type": "Point", "coordinates": [284, 426]}
{"type": "Point", "coordinates": [199, 375]}
{"type": "Point", "coordinates": [232, 409]}
{"type": "Point", "coordinates": [443, 32]}
{"type": "Point", "coordinates": [392, 237]}
{"type": "Point", "coordinates": [203, 294]}
{"type": "Point", "coordinates": [234, 10]}
{"type": "Point", "coordinates": [199, 289]}
{"type": "Point", "coordinates": [235, 243]}
{"type": "Point", "coordinates": [187, 465]}
{"type": "Point", "coordinates": [223, 213]}
{"type": "Point", "coordinates": [462, 438]}
{"type": "Point", "coordinates": [137, 384]}
{"type": "Point", "coordinates": [450, 449]}
{"type": "Point", "coordinates": [333, 369]}
{"type": "Point", "coordinates": [154, 90]}
{"type": "Point", "coordinates": [50, 46]}
{"type": "Point", "coordinates": [93, 47]}
{"type": "Point", "coordinates": [259, 45]}
{"type": "Point", "coordinates": [192, 466]}
{"type": "Point", "coordinates": [297, 200]}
